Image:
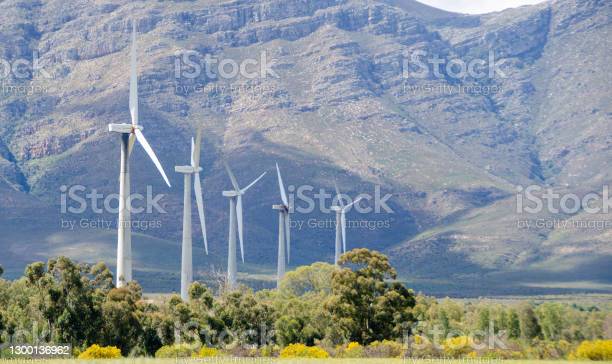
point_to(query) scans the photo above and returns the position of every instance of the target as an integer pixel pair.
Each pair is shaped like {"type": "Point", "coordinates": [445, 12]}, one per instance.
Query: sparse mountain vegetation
{"type": "Point", "coordinates": [451, 160]}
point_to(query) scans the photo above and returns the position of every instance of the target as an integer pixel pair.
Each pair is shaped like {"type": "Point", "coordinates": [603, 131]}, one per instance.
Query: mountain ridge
{"type": "Point", "coordinates": [342, 108]}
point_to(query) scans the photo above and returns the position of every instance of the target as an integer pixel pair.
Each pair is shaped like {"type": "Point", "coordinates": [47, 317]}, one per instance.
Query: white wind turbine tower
{"type": "Point", "coordinates": [129, 134]}
{"type": "Point", "coordinates": [235, 221]}
{"type": "Point", "coordinates": [194, 170]}
{"type": "Point", "coordinates": [284, 231]}
{"type": "Point", "coordinates": [341, 211]}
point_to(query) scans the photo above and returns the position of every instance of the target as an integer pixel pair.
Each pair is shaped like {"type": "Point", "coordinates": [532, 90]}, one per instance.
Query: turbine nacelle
{"type": "Point", "coordinates": [232, 193]}
{"type": "Point", "coordinates": [281, 208]}
{"type": "Point", "coordinates": [124, 128]}
{"type": "Point", "coordinates": [187, 169]}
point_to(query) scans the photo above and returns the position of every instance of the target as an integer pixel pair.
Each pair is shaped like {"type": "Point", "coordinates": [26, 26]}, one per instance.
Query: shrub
{"type": "Point", "coordinates": [352, 350]}
{"type": "Point", "coordinates": [457, 347]}
{"type": "Point", "coordinates": [593, 350]}
{"type": "Point", "coordinates": [422, 347]}
{"type": "Point", "coordinates": [546, 349]}
{"type": "Point", "coordinates": [207, 352]}
{"type": "Point", "coordinates": [175, 351]}
{"type": "Point", "coordinates": [303, 351]}
{"type": "Point", "coordinates": [101, 352]}
{"type": "Point", "coordinates": [268, 351]}
{"type": "Point", "coordinates": [385, 349]}
{"type": "Point", "coordinates": [498, 354]}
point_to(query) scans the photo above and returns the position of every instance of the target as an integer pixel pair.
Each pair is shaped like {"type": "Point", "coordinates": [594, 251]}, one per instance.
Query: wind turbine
{"type": "Point", "coordinates": [130, 133]}
{"type": "Point", "coordinates": [235, 221]}
{"type": "Point", "coordinates": [194, 170]}
{"type": "Point", "coordinates": [341, 210]}
{"type": "Point", "coordinates": [284, 231]}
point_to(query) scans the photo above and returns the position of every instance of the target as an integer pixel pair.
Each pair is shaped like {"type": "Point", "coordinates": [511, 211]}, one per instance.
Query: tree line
{"type": "Point", "coordinates": [359, 302]}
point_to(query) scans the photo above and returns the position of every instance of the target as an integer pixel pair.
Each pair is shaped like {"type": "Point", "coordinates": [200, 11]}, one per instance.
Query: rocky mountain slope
{"type": "Point", "coordinates": [341, 99]}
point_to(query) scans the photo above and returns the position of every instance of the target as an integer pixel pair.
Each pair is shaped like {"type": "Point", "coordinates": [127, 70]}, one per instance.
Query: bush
{"type": "Point", "coordinates": [385, 349]}
{"type": "Point", "coordinates": [593, 350]}
{"type": "Point", "coordinates": [207, 352]}
{"type": "Point", "coordinates": [457, 347]}
{"type": "Point", "coordinates": [303, 351]}
{"type": "Point", "coordinates": [352, 350]}
{"type": "Point", "coordinates": [101, 352]}
{"type": "Point", "coordinates": [422, 347]}
{"type": "Point", "coordinates": [546, 349]}
{"type": "Point", "coordinates": [498, 354]}
{"type": "Point", "coordinates": [268, 351]}
{"type": "Point", "coordinates": [175, 351]}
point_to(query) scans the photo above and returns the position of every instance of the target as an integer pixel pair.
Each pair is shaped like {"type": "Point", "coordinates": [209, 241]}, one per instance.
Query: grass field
{"type": "Point", "coordinates": [296, 361]}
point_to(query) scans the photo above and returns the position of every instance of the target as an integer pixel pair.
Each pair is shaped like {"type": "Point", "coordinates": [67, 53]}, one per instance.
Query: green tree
{"type": "Point", "coordinates": [151, 321]}
{"type": "Point", "coordinates": [514, 325]}
{"type": "Point", "coordinates": [302, 319]}
{"type": "Point", "coordinates": [122, 327]}
{"type": "Point", "coordinates": [102, 278]}
{"type": "Point", "coordinates": [79, 321]}
{"type": "Point", "coordinates": [530, 328]}
{"type": "Point", "coordinates": [551, 319]}
{"type": "Point", "coordinates": [315, 278]}
{"type": "Point", "coordinates": [249, 319]}
{"type": "Point", "coordinates": [365, 303]}
{"type": "Point", "coordinates": [484, 316]}
{"type": "Point", "coordinates": [64, 297]}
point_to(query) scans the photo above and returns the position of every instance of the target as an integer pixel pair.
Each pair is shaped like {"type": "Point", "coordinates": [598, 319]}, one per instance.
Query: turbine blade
{"type": "Point", "coordinates": [340, 203]}
{"type": "Point", "coordinates": [282, 187]}
{"type": "Point", "coordinates": [288, 235]}
{"type": "Point", "coordinates": [192, 153]}
{"type": "Point", "coordinates": [239, 218]}
{"type": "Point", "coordinates": [232, 177]}
{"type": "Point", "coordinates": [131, 144]}
{"type": "Point", "coordinates": [252, 183]}
{"type": "Point", "coordinates": [143, 141]}
{"type": "Point", "coordinates": [343, 223]}
{"type": "Point", "coordinates": [197, 184]}
{"type": "Point", "coordinates": [134, 79]}
{"type": "Point", "coordinates": [351, 204]}
{"type": "Point", "coordinates": [197, 148]}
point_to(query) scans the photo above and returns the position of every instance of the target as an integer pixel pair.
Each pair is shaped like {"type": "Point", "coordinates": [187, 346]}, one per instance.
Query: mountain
{"type": "Point", "coordinates": [329, 89]}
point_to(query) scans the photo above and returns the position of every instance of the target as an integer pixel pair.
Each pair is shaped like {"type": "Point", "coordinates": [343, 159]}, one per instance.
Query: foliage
{"type": "Point", "coordinates": [101, 352]}
{"type": "Point", "coordinates": [268, 351]}
{"type": "Point", "coordinates": [367, 306]}
{"type": "Point", "coordinates": [320, 306]}
{"type": "Point", "coordinates": [528, 322]}
{"type": "Point", "coordinates": [385, 349]}
{"type": "Point", "coordinates": [352, 350]}
{"type": "Point", "coordinates": [315, 278]}
{"type": "Point", "coordinates": [175, 351]}
{"type": "Point", "coordinates": [301, 319]}
{"type": "Point", "coordinates": [457, 347]}
{"type": "Point", "coordinates": [547, 349]}
{"type": "Point", "coordinates": [242, 312]}
{"type": "Point", "coordinates": [207, 352]}
{"type": "Point", "coordinates": [303, 351]}
{"type": "Point", "coordinates": [122, 326]}
{"type": "Point", "coordinates": [593, 350]}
